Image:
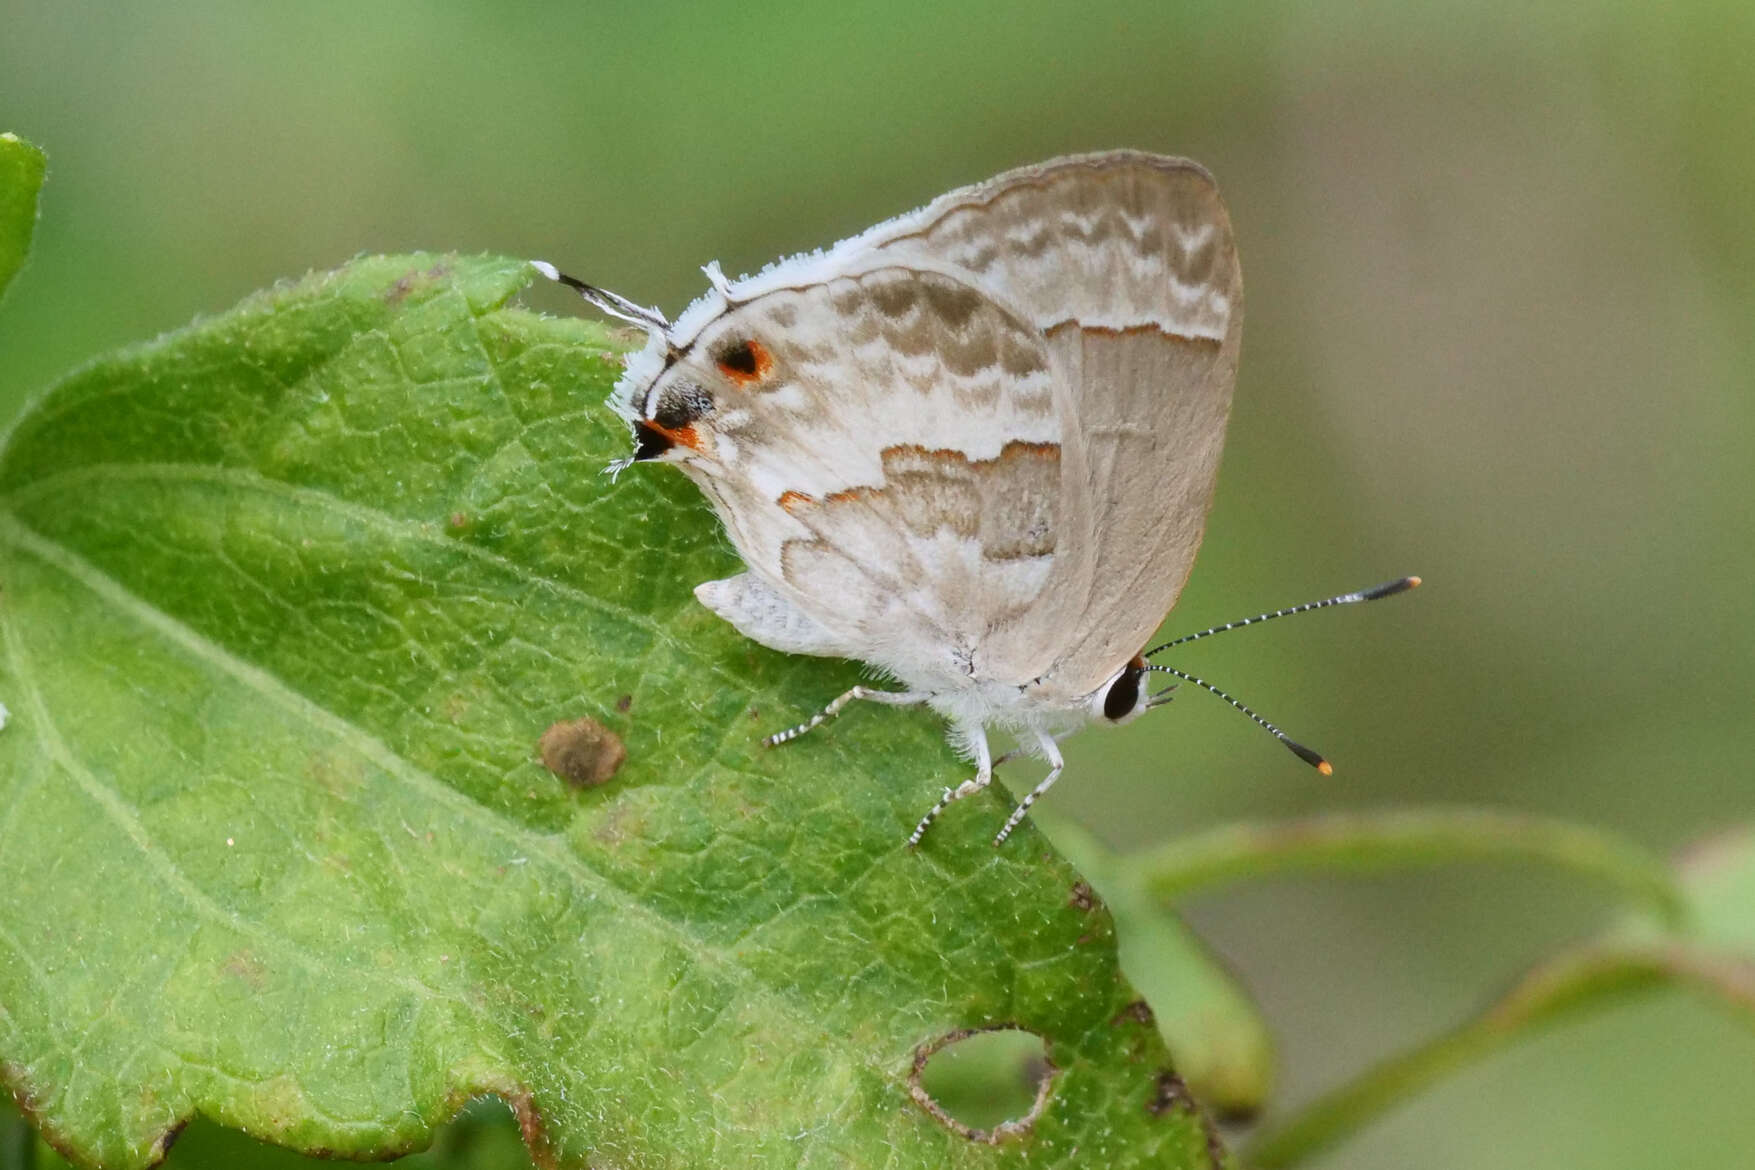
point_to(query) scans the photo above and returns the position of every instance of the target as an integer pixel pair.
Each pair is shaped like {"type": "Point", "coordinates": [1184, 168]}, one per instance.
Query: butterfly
{"type": "Point", "coordinates": [973, 447]}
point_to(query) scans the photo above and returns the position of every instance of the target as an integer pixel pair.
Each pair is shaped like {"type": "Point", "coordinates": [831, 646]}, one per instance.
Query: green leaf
{"type": "Point", "coordinates": [21, 177]}
{"type": "Point", "coordinates": [1718, 877]}
{"type": "Point", "coordinates": [287, 600]}
{"type": "Point", "coordinates": [1711, 952]}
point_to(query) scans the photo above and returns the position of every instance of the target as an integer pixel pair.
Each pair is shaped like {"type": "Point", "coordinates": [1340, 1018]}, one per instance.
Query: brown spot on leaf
{"type": "Point", "coordinates": [1082, 897]}
{"type": "Point", "coordinates": [624, 704]}
{"type": "Point", "coordinates": [1137, 1012]}
{"type": "Point", "coordinates": [583, 752]}
{"type": "Point", "coordinates": [162, 1146]}
{"type": "Point", "coordinates": [1138, 1017]}
{"type": "Point", "coordinates": [531, 1128]}
{"type": "Point", "coordinates": [246, 966]}
{"type": "Point", "coordinates": [458, 521]}
{"type": "Point", "coordinates": [1169, 1094]}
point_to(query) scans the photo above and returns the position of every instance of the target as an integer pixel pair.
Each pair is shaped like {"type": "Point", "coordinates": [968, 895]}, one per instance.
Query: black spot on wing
{"type": "Point", "coordinates": [648, 443]}
{"type": "Point", "coordinates": [740, 359]}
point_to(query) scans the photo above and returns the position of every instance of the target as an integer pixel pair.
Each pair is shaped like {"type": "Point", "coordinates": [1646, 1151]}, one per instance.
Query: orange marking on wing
{"type": "Point", "coordinates": [747, 363]}
{"type": "Point", "coordinates": [683, 436]}
{"type": "Point", "coordinates": [1016, 449]}
{"type": "Point", "coordinates": [1132, 331]}
{"type": "Point", "coordinates": [790, 500]}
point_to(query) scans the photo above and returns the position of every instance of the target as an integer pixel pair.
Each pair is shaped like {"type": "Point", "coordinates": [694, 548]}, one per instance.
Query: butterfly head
{"type": "Point", "coordinates": [1124, 696]}
{"type": "Point", "coordinates": [658, 394]}
{"type": "Point", "coordinates": [685, 410]}
{"type": "Point", "coordinates": [688, 396]}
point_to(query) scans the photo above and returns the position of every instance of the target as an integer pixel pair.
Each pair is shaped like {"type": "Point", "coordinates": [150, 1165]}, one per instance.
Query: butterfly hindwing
{"type": "Point", "coordinates": [1126, 263]}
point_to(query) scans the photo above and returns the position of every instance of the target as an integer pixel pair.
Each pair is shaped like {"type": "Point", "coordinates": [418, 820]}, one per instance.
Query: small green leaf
{"type": "Point", "coordinates": [288, 599]}
{"type": "Point", "coordinates": [1222, 1045]}
{"type": "Point", "coordinates": [1718, 875]}
{"type": "Point", "coordinates": [21, 177]}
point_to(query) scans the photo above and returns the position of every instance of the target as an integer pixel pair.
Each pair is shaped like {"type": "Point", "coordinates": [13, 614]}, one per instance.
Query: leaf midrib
{"type": "Point", "coordinates": [423, 531]}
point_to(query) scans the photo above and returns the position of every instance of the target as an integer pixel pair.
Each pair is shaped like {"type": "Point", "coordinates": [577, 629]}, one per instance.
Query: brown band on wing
{"type": "Point", "coordinates": [1135, 331]}
{"type": "Point", "coordinates": [1007, 504]}
{"type": "Point", "coordinates": [1016, 449]}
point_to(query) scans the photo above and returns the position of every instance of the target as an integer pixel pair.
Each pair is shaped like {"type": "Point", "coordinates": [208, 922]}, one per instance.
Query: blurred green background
{"type": "Point", "coordinates": [1500, 262]}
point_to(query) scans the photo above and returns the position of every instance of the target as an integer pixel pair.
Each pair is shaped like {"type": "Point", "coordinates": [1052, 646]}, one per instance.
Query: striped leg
{"type": "Point", "coordinates": [1055, 764]}
{"type": "Point", "coordinates": [981, 779]}
{"type": "Point", "coordinates": [872, 694]}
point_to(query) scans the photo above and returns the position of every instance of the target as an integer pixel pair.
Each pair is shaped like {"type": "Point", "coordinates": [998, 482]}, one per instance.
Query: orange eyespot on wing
{"type": "Point", "coordinates": [746, 362]}
{"type": "Point", "coordinates": [654, 438]}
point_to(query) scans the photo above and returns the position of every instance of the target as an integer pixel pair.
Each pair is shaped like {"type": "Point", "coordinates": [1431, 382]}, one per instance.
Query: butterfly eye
{"type": "Point", "coordinates": [1123, 697]}
{"type": "Point", "coordinates": [746, 361]}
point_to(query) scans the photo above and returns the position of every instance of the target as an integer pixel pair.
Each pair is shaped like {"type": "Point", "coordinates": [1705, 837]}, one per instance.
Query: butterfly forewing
{"type": "Point", "coordinates": [912, 516]}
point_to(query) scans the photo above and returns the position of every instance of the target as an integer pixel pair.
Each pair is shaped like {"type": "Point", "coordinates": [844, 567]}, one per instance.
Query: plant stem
{"type": "Point", "coordinates": [1370, 841]}
{"type": "Point", "coordinates": [1579, 981]}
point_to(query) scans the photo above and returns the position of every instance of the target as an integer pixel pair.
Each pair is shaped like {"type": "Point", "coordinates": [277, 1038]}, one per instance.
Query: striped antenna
{"type": "Point", "coordinates": [1387, 589]}
{"type": "Point", "coordinates": [1314, 759]}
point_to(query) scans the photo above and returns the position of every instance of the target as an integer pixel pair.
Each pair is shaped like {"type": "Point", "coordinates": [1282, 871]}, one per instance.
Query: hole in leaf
{"type": "Point", "coordinates": [484, 1136]}
{"type": "Point", "coordinates": [987, 1084]}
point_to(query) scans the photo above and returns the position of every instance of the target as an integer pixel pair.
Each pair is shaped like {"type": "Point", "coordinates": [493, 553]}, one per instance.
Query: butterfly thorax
{"type": "Point", "coordinates": [1029, 708]}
